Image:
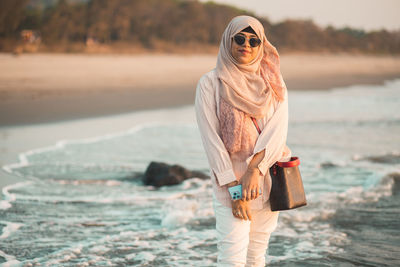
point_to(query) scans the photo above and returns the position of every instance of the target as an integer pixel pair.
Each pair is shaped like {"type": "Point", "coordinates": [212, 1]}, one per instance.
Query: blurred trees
{"type": "Point", "coordinates": [64, 22]}
{"type": "Point", "coordinates": [147, 21]}
{"type": "Point", "coordinates": [183, 22]}
{"type": "Point", "coordinates": [12, 12]}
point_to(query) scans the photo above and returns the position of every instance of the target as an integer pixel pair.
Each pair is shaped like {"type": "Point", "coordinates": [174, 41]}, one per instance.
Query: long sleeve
{"type": "Point", "coordinates": [273, 138]}
{"type": "Point", "coordinates": [208, 123]}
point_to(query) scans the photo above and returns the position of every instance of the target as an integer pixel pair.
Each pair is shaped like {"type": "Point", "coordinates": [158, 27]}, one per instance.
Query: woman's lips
{"type": "Point", "coordinates": [244, 51]}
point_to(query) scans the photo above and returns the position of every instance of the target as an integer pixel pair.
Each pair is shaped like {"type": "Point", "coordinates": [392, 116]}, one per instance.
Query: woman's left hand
{"type": "Point", "coordinates": [250, 184]}
{"type": "Point", "coordinates": [241, 209]}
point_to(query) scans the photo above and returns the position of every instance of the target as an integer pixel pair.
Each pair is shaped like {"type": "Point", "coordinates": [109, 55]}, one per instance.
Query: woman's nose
{"type": "Point", "coordinates": [246, 42]}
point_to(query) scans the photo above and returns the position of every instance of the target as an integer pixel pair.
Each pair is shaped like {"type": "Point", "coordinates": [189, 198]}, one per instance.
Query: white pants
{"type": "Point", "coordinates": [240, 242]}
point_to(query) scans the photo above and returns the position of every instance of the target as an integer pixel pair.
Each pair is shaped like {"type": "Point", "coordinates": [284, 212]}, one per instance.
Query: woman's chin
{"type": "Point", "coordinates": [243, 59]}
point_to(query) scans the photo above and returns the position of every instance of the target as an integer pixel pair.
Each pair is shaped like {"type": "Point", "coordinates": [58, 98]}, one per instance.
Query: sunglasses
{"type": "Point", "coordinates": [240, 39]}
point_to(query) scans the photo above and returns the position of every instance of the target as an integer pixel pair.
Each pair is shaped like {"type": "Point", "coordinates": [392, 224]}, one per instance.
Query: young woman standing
{"type": "Point", "coordinates": [243, 92]}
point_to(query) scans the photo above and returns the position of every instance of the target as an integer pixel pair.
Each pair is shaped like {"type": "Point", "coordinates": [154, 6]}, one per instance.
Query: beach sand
{"type": "Point", "coordinates": [40, 88]}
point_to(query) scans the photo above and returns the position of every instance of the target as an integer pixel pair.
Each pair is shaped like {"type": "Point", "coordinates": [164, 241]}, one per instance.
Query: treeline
{"type": "Point", "coordinates": [182, 23]}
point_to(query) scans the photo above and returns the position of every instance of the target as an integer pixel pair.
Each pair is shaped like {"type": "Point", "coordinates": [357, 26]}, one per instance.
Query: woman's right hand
{"type": "Point", "coordinates": [250, 184]}
{"type": "Point", "coordinates": [241, 209]}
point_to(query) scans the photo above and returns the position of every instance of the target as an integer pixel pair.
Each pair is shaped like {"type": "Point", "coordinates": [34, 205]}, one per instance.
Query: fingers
{"type": "Point", "coordinates": [259, 191]}
{"type": "Point", "coordinates": [236, 214]}
{"type": "Point", "coordinates": [243, 212]}
{"type": "Point", "coordinates": [248, 214]}
{"type": "Point", "coordinates": [236, 209]}
{"type": "Point", "coordinates": [255, 192]}
{"type": "Point", "coordinates": [251, 193]}
{"type": "Point", "coordinates": [244, 194]}
{"type": "Point", "coordinates": [247, 194]}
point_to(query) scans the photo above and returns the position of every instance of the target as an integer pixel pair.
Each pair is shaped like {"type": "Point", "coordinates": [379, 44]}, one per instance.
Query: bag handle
{"type": "Point", "coordinates": [256, 124]}
{"type": "Point", "coordinates": [294, 161]}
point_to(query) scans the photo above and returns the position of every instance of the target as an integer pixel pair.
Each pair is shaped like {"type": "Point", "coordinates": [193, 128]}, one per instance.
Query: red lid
{"type": "Point", "coordinates": [294, 161]}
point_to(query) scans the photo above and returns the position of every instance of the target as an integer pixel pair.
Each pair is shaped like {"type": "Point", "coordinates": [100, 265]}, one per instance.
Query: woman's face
{"type": "Point", "coordinates": [244, 53]}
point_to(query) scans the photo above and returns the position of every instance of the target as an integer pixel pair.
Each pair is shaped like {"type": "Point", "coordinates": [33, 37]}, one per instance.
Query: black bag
{"type": "Point", "coordinates": [287, 191]}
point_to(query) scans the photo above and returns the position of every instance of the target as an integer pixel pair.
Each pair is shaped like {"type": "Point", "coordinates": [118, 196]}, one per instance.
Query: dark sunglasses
{"type": "Point", "coordinates": [240, 39]}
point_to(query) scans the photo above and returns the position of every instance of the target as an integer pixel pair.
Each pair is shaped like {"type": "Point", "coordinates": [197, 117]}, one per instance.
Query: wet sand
{"type": "Point", "coordinates": [40, 88]}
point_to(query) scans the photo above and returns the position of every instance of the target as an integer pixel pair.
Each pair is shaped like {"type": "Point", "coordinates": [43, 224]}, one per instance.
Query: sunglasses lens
{"type": "Point", "coordinates": [254, 42]}
{"type": "Point", "coordinates": [239, 39]}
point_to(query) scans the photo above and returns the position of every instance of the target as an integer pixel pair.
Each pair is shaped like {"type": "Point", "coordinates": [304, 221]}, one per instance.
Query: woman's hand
{"type": "Point", "coordinates": [250, 184]}
{"type": "Point", "coordinates": [241, 209]}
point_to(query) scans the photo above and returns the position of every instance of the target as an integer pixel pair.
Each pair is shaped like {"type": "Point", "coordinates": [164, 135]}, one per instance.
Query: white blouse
{"type": "Point", "coordinates": [224, 169]}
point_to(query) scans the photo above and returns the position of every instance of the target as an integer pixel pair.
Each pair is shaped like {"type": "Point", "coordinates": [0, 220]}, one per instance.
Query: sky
{"type": "Point", "coordinates": [360, 14]}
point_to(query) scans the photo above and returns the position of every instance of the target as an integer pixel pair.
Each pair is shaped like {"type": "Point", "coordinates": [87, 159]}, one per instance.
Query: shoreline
{"type": "Point", "coordinates": [45, 88]}
{"type": "Point", "coordinates": [48, 107]}
{"type": "Point", "coordinates": [26, 139]}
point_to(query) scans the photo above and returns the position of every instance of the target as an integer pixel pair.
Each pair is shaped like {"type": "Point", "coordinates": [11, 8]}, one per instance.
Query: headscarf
{"type": "Point", "coordinates": [246, 90]}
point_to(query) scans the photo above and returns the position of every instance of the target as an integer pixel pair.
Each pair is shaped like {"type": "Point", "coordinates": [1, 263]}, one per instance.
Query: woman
{"type": "Point", "coordinates": [245, 84]}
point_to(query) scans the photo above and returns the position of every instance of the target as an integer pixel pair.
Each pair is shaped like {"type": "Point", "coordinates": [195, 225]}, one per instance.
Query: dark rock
{"type": "Point", "coordinates": [160, 174]}
{"type": "Point", "coordinates": [386, 159]}
{"type": "Point", "coordinates": [199, 174]}
{"type": "Point", "coordinates": [327, 165]}
{"type": "Point", "coordinates": [395, 177]}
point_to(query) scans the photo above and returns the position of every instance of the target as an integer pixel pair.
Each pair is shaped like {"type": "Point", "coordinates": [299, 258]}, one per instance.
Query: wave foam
{"type": "Point", "coordinates": [10, 260]}
{"type": "Point", "coordinates": [62, 144]}
{"type": "Point", "coordinates": [9, 228]}
{"type": "Point", "coordinates": [6, 204]}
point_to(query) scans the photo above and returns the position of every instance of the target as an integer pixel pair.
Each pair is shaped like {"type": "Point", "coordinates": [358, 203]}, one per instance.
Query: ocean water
{"type": "Point", "coordinates": [81, 204]}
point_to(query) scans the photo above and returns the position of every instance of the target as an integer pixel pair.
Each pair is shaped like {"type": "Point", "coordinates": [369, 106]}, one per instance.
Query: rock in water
{"type": "Point", "coordinates": [160, 174]}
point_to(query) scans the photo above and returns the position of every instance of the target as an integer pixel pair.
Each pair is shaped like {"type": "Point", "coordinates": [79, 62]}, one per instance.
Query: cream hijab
{"type": "Point", "coordinates": [246, 86]}
{"type": "Point", "coordinates": [246, 90]}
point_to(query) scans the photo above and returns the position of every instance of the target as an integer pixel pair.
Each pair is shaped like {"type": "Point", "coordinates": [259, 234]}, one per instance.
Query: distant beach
{"type": "Point", "coordinates": [39, 88]}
